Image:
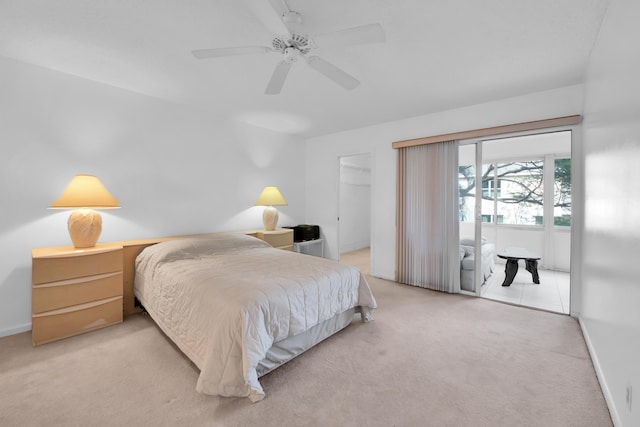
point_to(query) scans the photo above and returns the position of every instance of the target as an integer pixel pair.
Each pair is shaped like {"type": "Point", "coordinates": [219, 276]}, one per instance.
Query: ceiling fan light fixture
{"type": "Point", "coordinates": [292, 17]}
{"type": "Point", "coordinates": [292, 54]}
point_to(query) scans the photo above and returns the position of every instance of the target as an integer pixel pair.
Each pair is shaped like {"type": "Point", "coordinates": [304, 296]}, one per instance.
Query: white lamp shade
{"type": "Point", "coordinates": [85, 191]}
{"type": "Point", "coordinates": [271, 196]}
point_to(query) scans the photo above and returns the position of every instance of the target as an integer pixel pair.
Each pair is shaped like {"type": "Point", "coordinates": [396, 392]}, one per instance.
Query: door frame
{"type": "Point", "coordinates": [339, 202]}
{"type": "Point", "coordinates": [577, 213]}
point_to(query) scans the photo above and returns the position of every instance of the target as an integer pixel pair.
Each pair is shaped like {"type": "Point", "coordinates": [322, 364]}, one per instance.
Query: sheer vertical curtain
{"type": "Point", "coordinates": [427, 253]}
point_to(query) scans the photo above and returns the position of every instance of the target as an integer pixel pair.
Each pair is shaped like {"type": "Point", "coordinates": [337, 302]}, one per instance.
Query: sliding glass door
{"type": "Point", "coordinates": [515, 192]}
{"type": "Point", "coordinates": [469, 212]}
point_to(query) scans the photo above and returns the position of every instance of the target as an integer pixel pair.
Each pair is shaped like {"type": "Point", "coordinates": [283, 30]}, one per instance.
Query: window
{"type": "Point", "coordinates": [520, 197]}
{"type": "Point", "coordinates": [489, 218]}
{"type": "Point", "coordinates": [513, 192]}
{"type": "Point", "coordinates": [562, 192]}
{"type": "Point", "coordinates": [466, 185]}
{"type": "Point", "coordinates": [491, 187]}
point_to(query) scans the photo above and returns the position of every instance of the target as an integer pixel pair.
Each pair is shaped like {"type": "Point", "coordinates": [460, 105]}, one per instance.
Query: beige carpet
{"type": "Point", "coordinates": [429, 359]}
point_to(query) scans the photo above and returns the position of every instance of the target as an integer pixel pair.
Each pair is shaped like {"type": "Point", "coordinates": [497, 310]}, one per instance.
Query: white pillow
{"type": "Point", "coordinates": [199, 246]}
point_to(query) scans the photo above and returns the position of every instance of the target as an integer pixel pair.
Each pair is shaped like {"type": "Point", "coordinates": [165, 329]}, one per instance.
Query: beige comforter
{"type": "Point", "coordinates": [225, 299]}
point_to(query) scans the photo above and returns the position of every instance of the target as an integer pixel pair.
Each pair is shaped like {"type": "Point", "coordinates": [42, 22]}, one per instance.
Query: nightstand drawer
{"type": "Point", "coordinates": [277, 238]}
{"type": "Point", "coordinates": [78, 264]}
{"type": "Point", "coordinates": [66, 322]}
{"type": "Point", "coordinates": [65, 293]}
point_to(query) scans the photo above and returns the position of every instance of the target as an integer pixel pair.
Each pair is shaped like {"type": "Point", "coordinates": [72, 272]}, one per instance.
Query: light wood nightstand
{"type": "Point", "coordinates": [75, 290]}
{"type": "Point", "coordinates": [280, 238]}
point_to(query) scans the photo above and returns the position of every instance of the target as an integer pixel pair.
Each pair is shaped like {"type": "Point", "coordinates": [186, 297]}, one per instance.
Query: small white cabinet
{"type": "Point", "coordinates": [310, 247]}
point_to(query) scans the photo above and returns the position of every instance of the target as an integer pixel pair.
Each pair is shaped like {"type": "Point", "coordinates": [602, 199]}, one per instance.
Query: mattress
{"type": "Point", "coordinates": [225, 299]}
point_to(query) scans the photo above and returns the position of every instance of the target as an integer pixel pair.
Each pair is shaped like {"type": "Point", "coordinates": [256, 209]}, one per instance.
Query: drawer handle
{"type": "Point", "coordinates": [77, 280]}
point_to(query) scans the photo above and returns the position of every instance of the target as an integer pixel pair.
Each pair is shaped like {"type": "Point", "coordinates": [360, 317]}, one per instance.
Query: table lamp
{"type": "Point", "coordinates": [269, 198]}
{"type": "Point", "coordinates": [84, 194]}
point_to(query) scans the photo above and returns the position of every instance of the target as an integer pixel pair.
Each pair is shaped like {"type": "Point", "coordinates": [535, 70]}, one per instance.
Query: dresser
{"type": "Point", "coordinates": [280, 238]}
{"type": "Point", "coordinates": [75, 290]}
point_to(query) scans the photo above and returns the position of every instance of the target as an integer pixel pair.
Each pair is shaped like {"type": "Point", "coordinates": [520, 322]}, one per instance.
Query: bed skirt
{"type": "Point", "coordinates": [290, 347]}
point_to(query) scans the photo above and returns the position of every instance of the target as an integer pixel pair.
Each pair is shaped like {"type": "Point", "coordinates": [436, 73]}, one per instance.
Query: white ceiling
{"type": "Point", "coordinates": [439, 54]}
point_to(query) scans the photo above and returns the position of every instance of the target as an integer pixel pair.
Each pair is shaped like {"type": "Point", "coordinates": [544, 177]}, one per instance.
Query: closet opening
{"type": "Point", "coordinates": [354, 220]}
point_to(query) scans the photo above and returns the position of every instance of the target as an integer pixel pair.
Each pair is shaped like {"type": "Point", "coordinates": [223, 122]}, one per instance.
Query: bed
{"type": "Point", "coordinates": [239, 308]}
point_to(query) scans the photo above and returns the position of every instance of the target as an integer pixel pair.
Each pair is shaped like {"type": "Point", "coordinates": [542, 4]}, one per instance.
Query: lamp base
{"type": "Point", "coordinates": [270, 218]}
{"type": "Point", "coordinates": [85, 226]}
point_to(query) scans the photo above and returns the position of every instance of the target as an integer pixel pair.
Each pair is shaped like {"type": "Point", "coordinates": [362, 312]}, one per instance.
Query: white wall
{"type": "Point", "coordinates": [174, 170]}
{"type": "Point", "coordinates": [323, 183]}
{"type": "Point", "coordinates": [610, 294]}
{"type": "Point", "coordinates": [322, 165]}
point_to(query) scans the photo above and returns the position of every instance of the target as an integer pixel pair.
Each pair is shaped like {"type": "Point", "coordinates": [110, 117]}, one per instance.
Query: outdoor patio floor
{"type": "Point", "coordinates": [551, 294]}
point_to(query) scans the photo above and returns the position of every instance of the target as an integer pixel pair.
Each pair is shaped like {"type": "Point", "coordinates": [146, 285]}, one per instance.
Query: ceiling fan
{"type": "Point", "coordinates": [297, 44]}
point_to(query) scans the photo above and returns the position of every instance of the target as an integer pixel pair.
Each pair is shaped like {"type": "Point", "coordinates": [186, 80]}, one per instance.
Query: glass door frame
{"type": "Point", "coordinates": [477, 217]}
{"type": "Point", "coordinates": [577, 213]}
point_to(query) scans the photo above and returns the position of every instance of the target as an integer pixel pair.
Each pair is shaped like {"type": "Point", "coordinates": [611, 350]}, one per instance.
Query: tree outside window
{"type": "Point", "coordinates": [562, 192]}
{"type": "Point", "coordinates": [513, 192]}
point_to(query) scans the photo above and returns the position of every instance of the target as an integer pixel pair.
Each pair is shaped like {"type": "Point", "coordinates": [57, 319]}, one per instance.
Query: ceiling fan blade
{"type": "Point", "coordinates": [229, 51]}
{"type": "Point", "coordinates": [278, 77]}
{"type": "Point", "coordinates": [371, 33]}
{"type": "Point", "coordinates": [264, 12]}
{"type": "Point", "coordinates": [332, 72]}
{"type": "Point", "coordinates": [280, 6]}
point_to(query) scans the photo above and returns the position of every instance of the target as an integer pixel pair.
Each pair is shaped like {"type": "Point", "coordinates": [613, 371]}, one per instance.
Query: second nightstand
{"type": "Point", "coordinates": [280, 238]}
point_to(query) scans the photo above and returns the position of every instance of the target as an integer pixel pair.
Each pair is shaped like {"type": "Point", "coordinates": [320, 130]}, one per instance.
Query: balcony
{"type": "Point", "coordinates": [552, 243]}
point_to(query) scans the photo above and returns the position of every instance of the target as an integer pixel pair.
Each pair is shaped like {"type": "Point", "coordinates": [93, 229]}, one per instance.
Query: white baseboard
{"type": "Point", "coordinates": [384, 276]}
{"type": "Point", "coordinates": [15, 330]}
{"type": "Point", "coordinates": [608, 397]}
